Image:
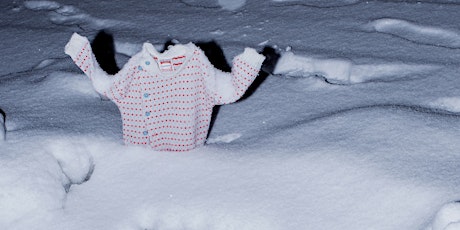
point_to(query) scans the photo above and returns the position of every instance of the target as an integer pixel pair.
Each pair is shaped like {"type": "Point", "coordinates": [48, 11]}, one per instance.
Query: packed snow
{"type": "Point", "coordinates": [357, 128]}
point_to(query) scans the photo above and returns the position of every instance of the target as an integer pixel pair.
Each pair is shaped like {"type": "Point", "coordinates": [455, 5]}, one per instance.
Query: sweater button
{"type": "Point", "coordinates": [147, 62]}
{"type": "Point", "coordinates": [140, 68]}
{"type": "Point", "coordinates": [145, 133]}
{"type": "Point", "coordinates": [146, 95]}
{"type": "Point", "coordinates": [147, 113]}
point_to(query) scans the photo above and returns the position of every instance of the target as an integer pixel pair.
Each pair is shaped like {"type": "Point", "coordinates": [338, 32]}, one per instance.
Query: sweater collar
{"type": "Point", "coordinates": [172, 51]}
{"type": "Point", "coordinates": [171, 60]}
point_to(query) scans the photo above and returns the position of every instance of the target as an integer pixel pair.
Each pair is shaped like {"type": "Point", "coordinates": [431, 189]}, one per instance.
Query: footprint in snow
{"type": "Point", "coordinates": [68, 15]}
{"type": "Point", "coordinates": [420, 34]}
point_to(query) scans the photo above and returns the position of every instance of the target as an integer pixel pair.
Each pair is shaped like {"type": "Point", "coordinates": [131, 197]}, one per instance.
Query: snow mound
{"type": "Point", "coordinates": [447, 103]}
{"type": "Point", "coordinates": [427, 35]}
{"type": "Point", "coordinates": [447, 218]}
{"type": "Point", "coordinates": [73, 158]}
{"type": "Point", "coordinates": [343, 71]}
{"type": "Point", "coordinates": [31, 182]}
{"type": "Point", "coordinates": [298, 66]}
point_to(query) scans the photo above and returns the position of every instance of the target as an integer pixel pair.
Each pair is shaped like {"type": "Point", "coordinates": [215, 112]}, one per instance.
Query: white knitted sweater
{"type": "Point", "coordinates": [166, 99]}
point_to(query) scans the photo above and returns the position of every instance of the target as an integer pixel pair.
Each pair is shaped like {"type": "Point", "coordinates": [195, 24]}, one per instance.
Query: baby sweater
{"type": "Point", "coordinates": [166, 99]}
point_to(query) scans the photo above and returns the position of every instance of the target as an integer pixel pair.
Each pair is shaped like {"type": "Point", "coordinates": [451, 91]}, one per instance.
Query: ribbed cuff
{"type": "Point", "coordinates": [75, 44]}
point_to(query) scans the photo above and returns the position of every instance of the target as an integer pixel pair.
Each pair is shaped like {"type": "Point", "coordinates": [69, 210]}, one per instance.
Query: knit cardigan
{"type": "Point", "coordinates": [166, 99]}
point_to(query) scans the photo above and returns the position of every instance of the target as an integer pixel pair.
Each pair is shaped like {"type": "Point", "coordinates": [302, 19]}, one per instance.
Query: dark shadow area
{"type": "Point", "coordinates": [216, 56]}
{"type": "Point", "coordinates": [213, 52]}
{"type": "Point", "coordinates": [3, 115]}
{"type": "Point", "coordinates": [268, 66]}
{"type": "Point", "coordinates": [104, 50]}
{"type": "Point", "coordinates": [2, 123]}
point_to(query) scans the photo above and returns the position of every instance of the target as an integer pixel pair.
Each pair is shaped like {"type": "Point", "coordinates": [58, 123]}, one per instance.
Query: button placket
{"type": "Point", "coordinates": [145, 95]}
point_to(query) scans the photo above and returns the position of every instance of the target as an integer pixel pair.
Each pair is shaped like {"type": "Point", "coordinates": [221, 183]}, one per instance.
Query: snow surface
{"type": "Point", "coordinates": [2, 127]}
{"type": "Point", "coordinates": [358, 128]}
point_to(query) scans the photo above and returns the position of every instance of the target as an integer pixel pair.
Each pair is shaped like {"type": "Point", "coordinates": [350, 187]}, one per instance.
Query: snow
{"type": "Point", "coordinates": [42, 5]}
{"type": "Point", "coordinates": [447, 217]}
{"type": "Point", "coordinates": [2, 127]}
{"type": "Point", "coordinates": [73, 158]}
{"type": "Point", "coordinates": [358, 128]}
{"type": "Point", "coordinates": [447, 103]}
{"type": "Point", "coordinates": [32, 183]}
{"type": "Point", "coordinates": [231, 4]}
{"type": "Point", "coordinates": [343, 71]}
{"type": "Point", "coordinates": [417, 33]}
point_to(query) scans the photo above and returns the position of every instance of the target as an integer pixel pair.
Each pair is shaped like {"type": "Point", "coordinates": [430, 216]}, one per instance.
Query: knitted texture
{"type": "Point", "coordinates": [166, 99]}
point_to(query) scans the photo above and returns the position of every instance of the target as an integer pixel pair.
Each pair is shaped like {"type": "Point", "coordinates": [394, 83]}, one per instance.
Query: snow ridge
{"type": "Point", "coordinates": [421, 34]}
{"type": "Point", "coordinates": [343, 71]}
{"type": "Point", "coordinates": [69, 15]}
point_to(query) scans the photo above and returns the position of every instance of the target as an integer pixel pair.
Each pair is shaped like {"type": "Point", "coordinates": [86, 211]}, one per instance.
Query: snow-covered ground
{"type": "Point", "coordinates": [358, 128]}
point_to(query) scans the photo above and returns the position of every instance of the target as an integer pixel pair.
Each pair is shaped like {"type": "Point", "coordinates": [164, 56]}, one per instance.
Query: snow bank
{"type": "Point", "coordinates": [74, 159]}
{"type": "Point", "coordinates": [447, 218]}
{"type": "Point", "coordinates": [297, 154]}
{"type": "Point", "coordinates": [31, 182]}
{"type": "Point", "coordinates": [337, 70]}
{"type": "Point", "coordinates": [414, 32]}
{"type": "Point", "coordinates": [344, 71]}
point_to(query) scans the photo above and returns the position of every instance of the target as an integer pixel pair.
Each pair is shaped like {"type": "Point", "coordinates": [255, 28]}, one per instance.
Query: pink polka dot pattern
{"type": "Point", "coordinates": [168, 107]}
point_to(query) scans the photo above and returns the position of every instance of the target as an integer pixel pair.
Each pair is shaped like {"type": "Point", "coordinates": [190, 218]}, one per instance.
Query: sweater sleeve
{"type": "Point", "coordinates": [229, 87]}
{"type": "Point", "coordinates": [111, 86]}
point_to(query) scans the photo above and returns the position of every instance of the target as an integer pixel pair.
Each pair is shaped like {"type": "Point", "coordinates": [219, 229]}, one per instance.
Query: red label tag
{"type": "Point", "coordinates": [166, 65]}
